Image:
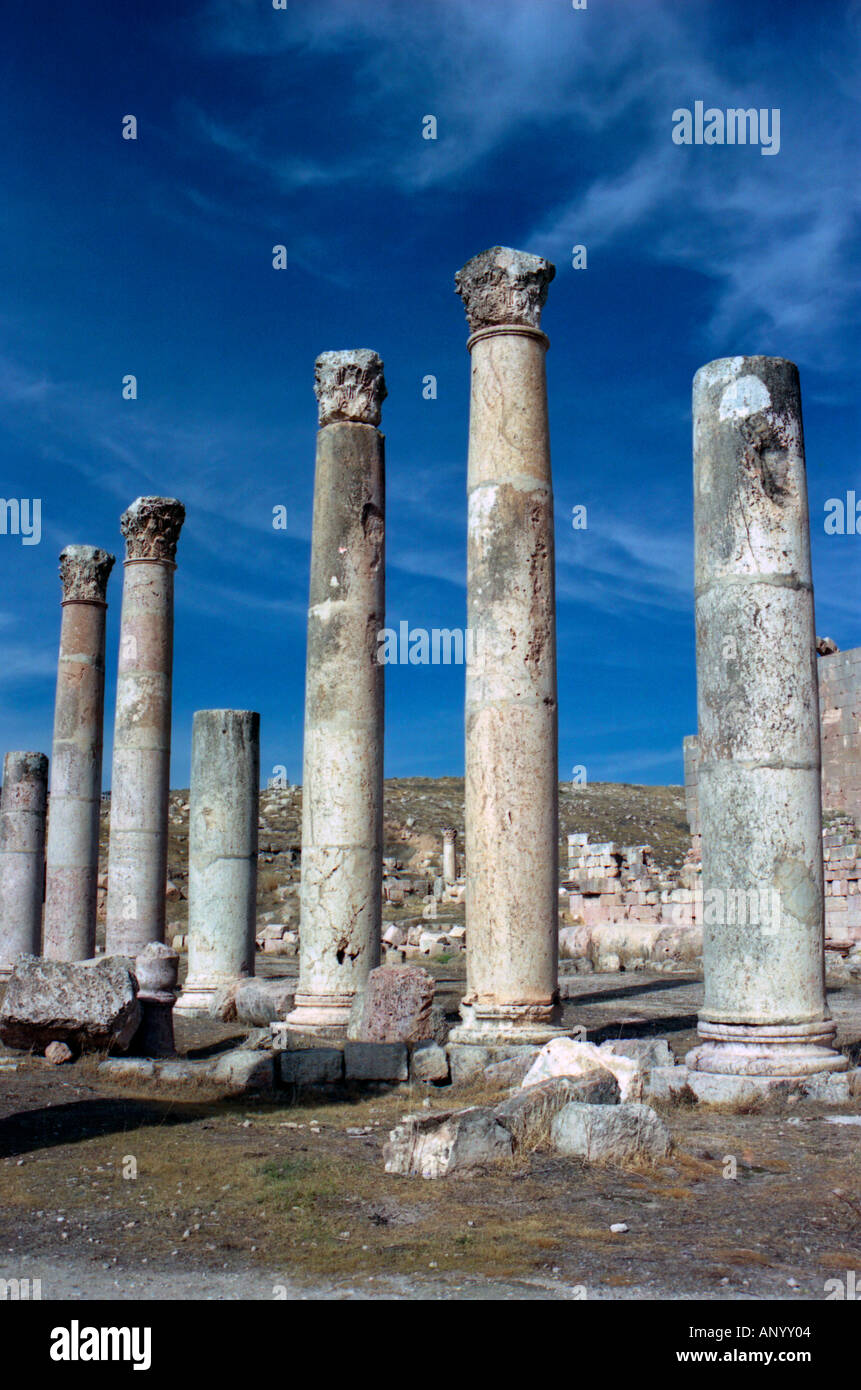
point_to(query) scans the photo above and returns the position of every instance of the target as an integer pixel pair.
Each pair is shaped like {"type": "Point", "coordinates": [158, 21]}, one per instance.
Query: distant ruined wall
{"type": "Point", "coordinates": [840, 716]}
{"type": "Point", "coordinates": [840, 713]}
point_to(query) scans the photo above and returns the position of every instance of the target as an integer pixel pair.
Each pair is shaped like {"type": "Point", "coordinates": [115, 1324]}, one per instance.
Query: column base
{"type": "Point", "coordinates": [197, 995]}
{"type": "Point", "coordinates": [324, 1015]}
{"type": "Point", "coordinates": [527, 1025]}
{"type": "Point", "coordinates": [767, 1050]}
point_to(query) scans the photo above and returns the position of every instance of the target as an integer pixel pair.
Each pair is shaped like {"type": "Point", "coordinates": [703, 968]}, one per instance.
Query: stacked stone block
{"type": "Point", "coordinates": [608, 883]}
{"type": "Point", "coordinates": [842, 854]}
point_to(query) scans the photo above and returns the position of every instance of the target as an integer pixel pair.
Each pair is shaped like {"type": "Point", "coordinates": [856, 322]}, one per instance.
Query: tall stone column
{"type": "Point", "coordinates": [222, 853]}
{"type": "Point", "coordinates": [71, 893]}
{"type": "Point", "coordinates": [140, 786]}
{"type": "Point", "coordinates": [511, 713]}
{"type": "Point", "coordinates": [449, 856]}
{"type": "Point", "coordinates": [22, 856]}
{"type": "Point", "coordinates": [342, 791]}
{"type": "Point", "coordinates": [764, 1012]}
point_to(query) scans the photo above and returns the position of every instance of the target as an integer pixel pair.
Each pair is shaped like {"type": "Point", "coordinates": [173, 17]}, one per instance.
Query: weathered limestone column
{"type": "Point", "coordinates": [764, 1012]}
{"type": "Point", "coordinates": [71, 892]}
{"type": "Point", "coordinates": [449, 856]}
{"type": "Point", "coordinates": [22, 856]}
{"type": "Point", "coordinates": [222, 853]}
{"type": "Point", "coordinates": [140, 785]}
{"type": "Point", "coordinates": [342, 784]}
{"type": "Point", "coordinates": [511, 713]}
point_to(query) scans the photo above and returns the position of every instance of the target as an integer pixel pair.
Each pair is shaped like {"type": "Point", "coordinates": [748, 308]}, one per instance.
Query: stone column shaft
{"type": "Point", "coordinates": [342, 792]}
{"type": "Point", "coordinates": [511, 783]}
{"type": "Point", "coordinates": [449, 856]}
{"type": "Point", "coordinates": [222, 852]}
{"type": "Point", "coordinates": [22, 856]}
{"type": "Point", "coordinates": [71, 894]}
{"type": "Point", "coordinates": [764, 1011]}
{"type": "Point", "coordinates": [140, 784]}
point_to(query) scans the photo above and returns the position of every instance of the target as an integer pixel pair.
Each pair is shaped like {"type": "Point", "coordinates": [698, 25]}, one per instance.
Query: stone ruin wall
{"type": "Point", "coordinates": [840, 721]}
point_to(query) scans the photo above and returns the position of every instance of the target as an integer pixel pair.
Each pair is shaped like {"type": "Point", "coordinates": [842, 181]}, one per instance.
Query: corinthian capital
{"type": "Point", "coordinates": [504, 287]}
{"type": "Point", "coordinates": [349, 386]}
{"type": "Point", "coordinates": [84, 572]}
{"type": "Point", "coordinates": [151, 527]}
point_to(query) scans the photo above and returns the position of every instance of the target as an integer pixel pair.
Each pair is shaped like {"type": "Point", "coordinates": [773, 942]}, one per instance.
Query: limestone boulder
{"type": "Point", "coordinates": [566, 1057]}
{"type": "Point", "coordinates": [432, 1146]}
{"type": "Point", "coordinates": [610, 1133]}
{"type": "Point", "coordinates": [89, 1005]}
{"type": "Point", "coordinates": [528, 1115]}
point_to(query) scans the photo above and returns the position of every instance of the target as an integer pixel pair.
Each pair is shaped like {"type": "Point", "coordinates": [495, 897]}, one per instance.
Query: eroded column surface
{"type": "Point", "coordinates": [22, 856]}
{"type": "Point", "coordinates": [222, 852]}
{"type": "Point", "coordinates": [449, 856]}
{"type": "Point", "coordinates": [764, 1011]}
{"type": "Point", "coordinates": [342, 791]}
{"type": "Point", "coordinates": [71, 892]}
{"type": "Point", "coordinates": [140, 785]}
{"type": "Point", "coordinates": [511, 712]}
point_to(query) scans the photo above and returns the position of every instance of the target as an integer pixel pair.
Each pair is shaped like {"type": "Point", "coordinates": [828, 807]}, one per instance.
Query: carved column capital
{"type": "Point", "coordinates": [84, 573]}
{"type": "Point", "coordinates": [503, 287]}
{"type": "Point", "coordinates": [151, 527]}
{"type": "Point", "coordinates": [349, 386]}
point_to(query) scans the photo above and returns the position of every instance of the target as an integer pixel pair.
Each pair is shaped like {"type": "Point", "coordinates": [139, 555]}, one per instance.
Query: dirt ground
{"type": "Point", "coordinates": [110, 1191]}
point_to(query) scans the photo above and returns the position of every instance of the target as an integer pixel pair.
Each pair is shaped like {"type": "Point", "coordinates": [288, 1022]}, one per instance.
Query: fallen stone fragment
{"type": "Point", "coordinates": [470, 1060]}
{"type": "Point", "coordinates": [565, 1057]}
{"type": "Point", "coordinates": [260, 1002]}
{"type": "Point", "coordinates": [241, 1070]}
{"type": "Point", "coordinates": [395, 1006]}
{"type": "Point", "coordinates": [646, 1052]}
{"type": "Point", "coordinates": [89, 1005]}
{"type": "Point", "coordinates": [511, 1070]}
{"type": "Point", "coordinates": [431, 1146]}
{"type": "Point", "coordinates": [528, 1116]}
{"type": "Point", "coordinates": [610, 1133]}
{"type": "Point", "coordinates": [429, 1063]}
{"type": "Point", "coordinates": [57, 1053]}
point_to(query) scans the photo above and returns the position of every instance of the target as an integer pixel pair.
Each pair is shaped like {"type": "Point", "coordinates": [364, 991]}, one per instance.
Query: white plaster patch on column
{"type": "Point", "coordinates": [745, 396]}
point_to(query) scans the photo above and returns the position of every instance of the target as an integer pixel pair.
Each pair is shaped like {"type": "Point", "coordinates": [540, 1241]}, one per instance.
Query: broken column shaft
{"type": "Point", "coordinates": [342, 785]}
{"type": "Point", "coordinates": [71, 892]}
{"type": "Point", "coordinates": [22, 856]}
{"type": "Point", "coordinates": [764, 1011]}
{"type": "Point", "coordinates": [140, 786]}
{"type": "Point", "coordinates": [222, 853]}
{"type": "Point", "coordinates": [511, 783]}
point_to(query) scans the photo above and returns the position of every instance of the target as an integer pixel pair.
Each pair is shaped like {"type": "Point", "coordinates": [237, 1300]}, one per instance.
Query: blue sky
{"type": "Point", "coordinates": [303, 127]}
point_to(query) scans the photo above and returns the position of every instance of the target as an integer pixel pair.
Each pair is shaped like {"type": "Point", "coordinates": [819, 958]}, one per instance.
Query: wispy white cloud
{"type": "Point", "coordinates": [776, 237]}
